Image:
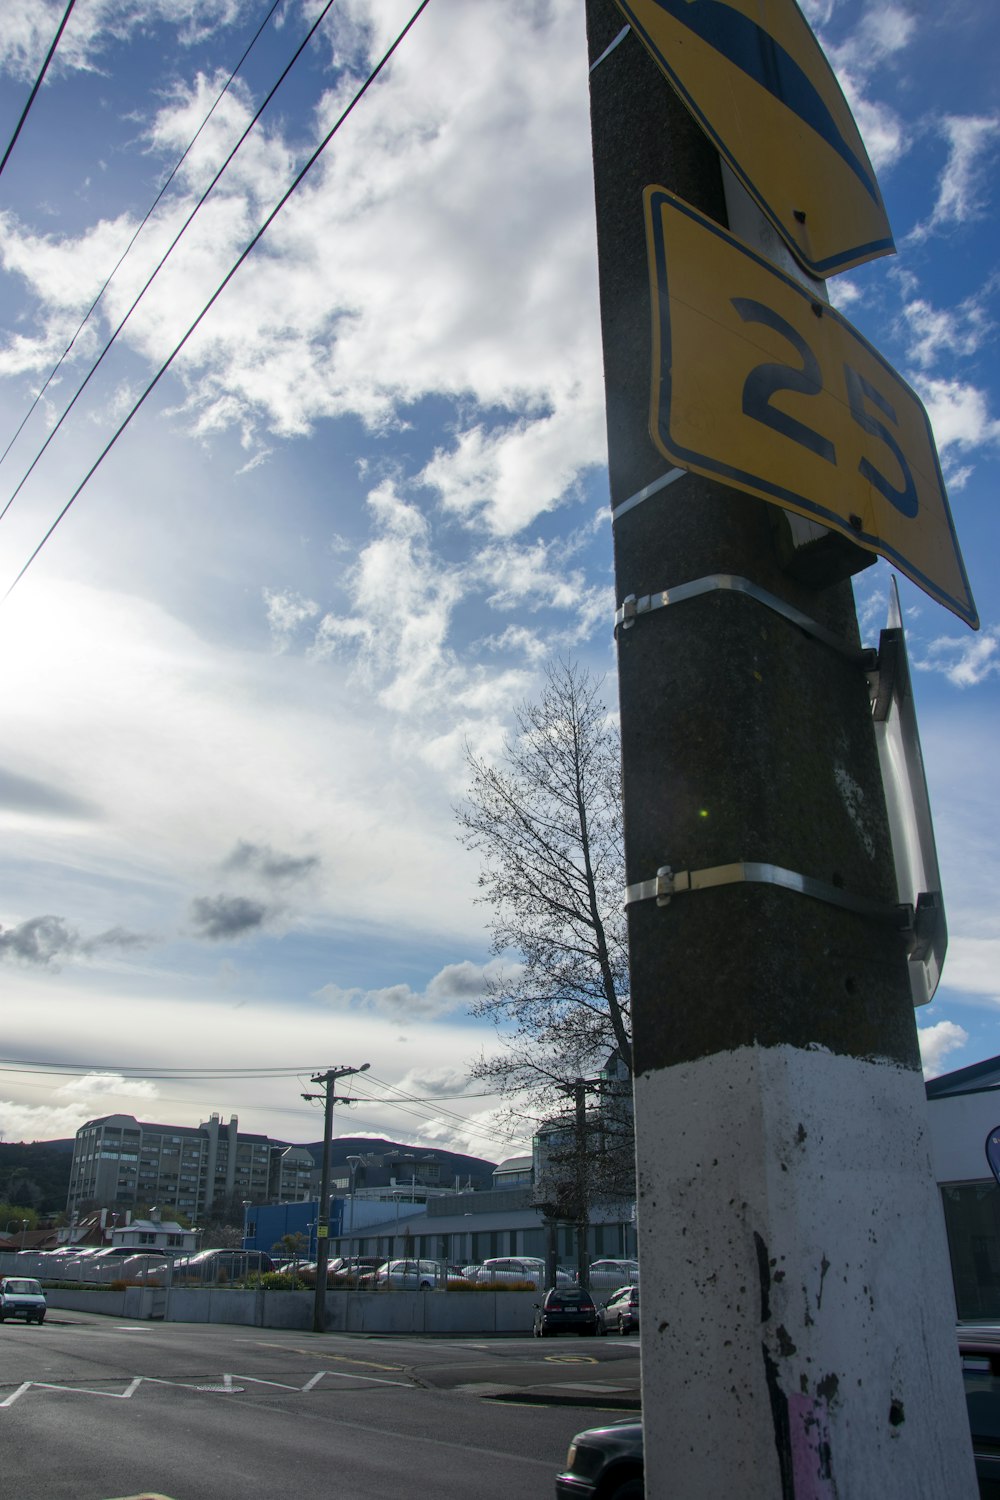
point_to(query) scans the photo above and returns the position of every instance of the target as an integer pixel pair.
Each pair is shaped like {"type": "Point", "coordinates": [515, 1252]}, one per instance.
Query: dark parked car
{"type": "Point", "coordinates": [348, 1270]}
{"type": "Point", "coordinates": [621, 1311]}
{"type": "Point", "coordinates": [607, 1461]}
{"type": "Point", "coordinates": [566, 1309]}
{"type": "Point", "coordinates": [980, 1350]}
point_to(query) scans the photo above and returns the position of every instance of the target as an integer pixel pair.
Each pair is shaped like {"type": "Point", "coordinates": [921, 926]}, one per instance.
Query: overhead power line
{"type": "Point", "coordinates": [131, 1070]}
{"type": "Point", "coordinates": [149, 281]}
{"type": "Point", "coordinates": [313, 158]}
{"type": "Point", "coordinates": [154, 1073]}
{"type": "Point", "coordinates": [148, 215]}
{"type": "Point", "coordinates": [38, 83]}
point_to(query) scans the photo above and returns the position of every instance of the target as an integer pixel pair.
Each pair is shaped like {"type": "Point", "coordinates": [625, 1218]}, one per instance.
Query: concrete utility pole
{"type": "Point", "coordinates": [798, 1338]}
{"type": "Point", "coordinates": [328, 1080]}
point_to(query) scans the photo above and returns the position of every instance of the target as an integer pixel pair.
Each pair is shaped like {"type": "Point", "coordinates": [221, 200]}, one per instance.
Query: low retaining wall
{"type": "Point", "coordinates": [346, 1312]}
{"type": "Point", "coordinates": [135, 1302]}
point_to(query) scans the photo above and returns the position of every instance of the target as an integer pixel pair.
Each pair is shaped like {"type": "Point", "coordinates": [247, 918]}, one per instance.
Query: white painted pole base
{"type": "Point", "coordinates": [798, 1319]}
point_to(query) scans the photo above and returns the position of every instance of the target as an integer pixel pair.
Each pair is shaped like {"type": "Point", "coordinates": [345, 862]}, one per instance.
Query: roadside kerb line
{"type": "Point", "coordinates": [345, 1359]}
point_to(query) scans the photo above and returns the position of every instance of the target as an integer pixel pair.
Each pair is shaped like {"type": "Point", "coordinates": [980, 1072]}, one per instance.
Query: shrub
{"type": "Point", "coordinates": [275, 1281]}
{"type": "Point", "coordinates": [505, 1286]}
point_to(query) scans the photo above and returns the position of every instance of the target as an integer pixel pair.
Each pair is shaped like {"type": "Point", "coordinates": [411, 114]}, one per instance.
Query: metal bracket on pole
{"type": "Point", "coordinates": [608, 50]}
{"type": "Point", "coordinates": [669, 883]}
{"type": "Point", "coordinates": [647, 491]}
{"type": "Point", "coordinates": [631, 608]}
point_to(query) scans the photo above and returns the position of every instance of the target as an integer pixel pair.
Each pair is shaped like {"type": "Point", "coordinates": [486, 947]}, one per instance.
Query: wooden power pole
{"type": "Point", "coordinates": [798, 1323]}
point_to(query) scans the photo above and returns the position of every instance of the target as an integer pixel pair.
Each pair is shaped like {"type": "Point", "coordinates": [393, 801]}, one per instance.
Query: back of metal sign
{"type": "Point", "coordinates": [910, 824]}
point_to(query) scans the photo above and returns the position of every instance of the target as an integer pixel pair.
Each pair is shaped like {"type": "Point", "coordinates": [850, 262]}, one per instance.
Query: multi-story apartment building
{"type": "Point", "coordinates": [119, 1160]}
{"type": "Point", "coordinates": [294, 1175]}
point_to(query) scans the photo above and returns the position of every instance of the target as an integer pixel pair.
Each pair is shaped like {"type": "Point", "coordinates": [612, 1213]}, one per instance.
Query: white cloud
{"type": "Point", "coordinates": [28, 26]}
{"type": "Point", "coordinates": [99, 1084]}
{"type": "Point", "coordinates": [966, 661]}
{"type": "Point", "coordinates": [203, 767]}
{"type": "Point", "coordinates": [883, 32]}
{"type": "Point", "coordinates": [933, 331]}
{"type": "Point", "coordinates": [959, 413]}
{"type": "Point", "coordinates": [818, 12]}
{"type": "Point", "coordinates": [87, 1095]}
{"type": "Point", "coordinates": [404, 596]}
{"type": "Point", "coordinates": [970, 144]}
{"type": "Point", "coordinates": [936, 1042]}
{"type": "Point", "coordinates": [368, 291]}
{"type": "Point", "coordinates": [973, 966]}
{"type": "Point", "coordinates": [290, 1032]}
{"type": "Point", "coordinates": [286, 612]}
{"type": "Point", "coordinates": [845, 292]}
{"type": "Point", "coordinates": [420, 1081]}
{"type": "Point", "coordinates": [454, 988]}
{"type": "Point", "coordinates": [508, 477]}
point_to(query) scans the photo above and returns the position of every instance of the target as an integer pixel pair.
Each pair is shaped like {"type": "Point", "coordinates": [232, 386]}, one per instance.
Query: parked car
{"type": "Point", "coordinates": [73, 1266]}
{"type": "Point", "coordinates": [508, 1268]}
{"type": "Point", "coordinates": [410, 1275]}
{"type": "Point", "coordinates": [566, 1309]}
{"type": "Point", "coordinates": [124, 1252]}
{"type": "Point", "coordinates": [609, 1275]}
{"type": "Point", "coordinates": [151, 1269]}
{"type": "Point", "coordinates": [22, 1297]}
{"type": "Point", "coordinates": [607, 1462]}
{"type": "Point", "coordinates": [348, 1270]}
{"type": "Point", "coordinates": [529, 1268]}
{"type": "Point", "coordinates": [220, 1265]}
{"type": "Point", "coordinates": [621, 1311]}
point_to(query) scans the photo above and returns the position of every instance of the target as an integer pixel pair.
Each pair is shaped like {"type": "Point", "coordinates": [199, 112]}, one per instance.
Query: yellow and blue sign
{"type": "Point", "coordinates": [755, 78]}
{"type": "Point", "coordinates": [758, 384]}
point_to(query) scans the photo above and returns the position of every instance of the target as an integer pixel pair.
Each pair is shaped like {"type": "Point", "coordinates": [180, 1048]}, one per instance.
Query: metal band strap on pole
{"type": "Point", "coordinates": [631, 608]}
{"type": "Point", "coordinates": [669, 883]}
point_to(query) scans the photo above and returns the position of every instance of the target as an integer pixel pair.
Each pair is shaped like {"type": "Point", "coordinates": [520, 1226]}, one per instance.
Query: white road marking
{"type": "Point", "coordinates": [222, 1387]}
{"type": "Point", "coordinates": [72, 1390]}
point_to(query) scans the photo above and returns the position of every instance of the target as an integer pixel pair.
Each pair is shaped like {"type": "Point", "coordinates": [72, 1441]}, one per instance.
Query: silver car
{"type": "Point", "coordinates": [620, 1312]}
{"type": "Point", "coordinates": [411, 1275]}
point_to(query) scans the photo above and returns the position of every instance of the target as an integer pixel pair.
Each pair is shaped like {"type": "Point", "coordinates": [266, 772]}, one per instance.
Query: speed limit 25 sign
{"type": "Point", "coordinates": [761, 386]}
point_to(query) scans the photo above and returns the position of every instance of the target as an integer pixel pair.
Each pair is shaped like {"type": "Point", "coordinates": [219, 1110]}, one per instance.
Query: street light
{"type": "Point", "coordinates": [354, 1162]}
{"type": "Point", "coordinates": [13, 1225]}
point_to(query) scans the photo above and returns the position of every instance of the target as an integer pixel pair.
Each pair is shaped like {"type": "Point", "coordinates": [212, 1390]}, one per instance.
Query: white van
{"type": "Point", "coordinates": [22, 1297]}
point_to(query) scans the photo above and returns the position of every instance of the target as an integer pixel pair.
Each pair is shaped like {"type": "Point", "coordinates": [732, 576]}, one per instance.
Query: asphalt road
{"type": "Point", "coordinates": [93, 1408]}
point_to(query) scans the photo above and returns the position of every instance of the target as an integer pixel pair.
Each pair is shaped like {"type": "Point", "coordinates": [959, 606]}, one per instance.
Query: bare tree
{"type": "Point", "coordinates": [547, 826]}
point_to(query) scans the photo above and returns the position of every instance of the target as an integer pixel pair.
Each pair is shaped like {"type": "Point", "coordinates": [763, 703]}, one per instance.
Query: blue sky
{"type": "Point", "coordinates": [368, 502]}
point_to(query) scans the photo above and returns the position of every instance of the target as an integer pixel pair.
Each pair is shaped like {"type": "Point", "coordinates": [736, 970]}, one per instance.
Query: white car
{"type": "Point", "coordinates": [609, 1275]}
{"type": "Point", "coordinates": [22, 1297]}
{"type": "Point", "coordinates": [411, 1275]}
{"type": "Point", "coordinates": [504, 1269]}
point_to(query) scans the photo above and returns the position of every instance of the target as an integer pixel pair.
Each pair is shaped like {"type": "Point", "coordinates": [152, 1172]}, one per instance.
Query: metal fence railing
{"type": "Point", "coordinates": [242, 1268]}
